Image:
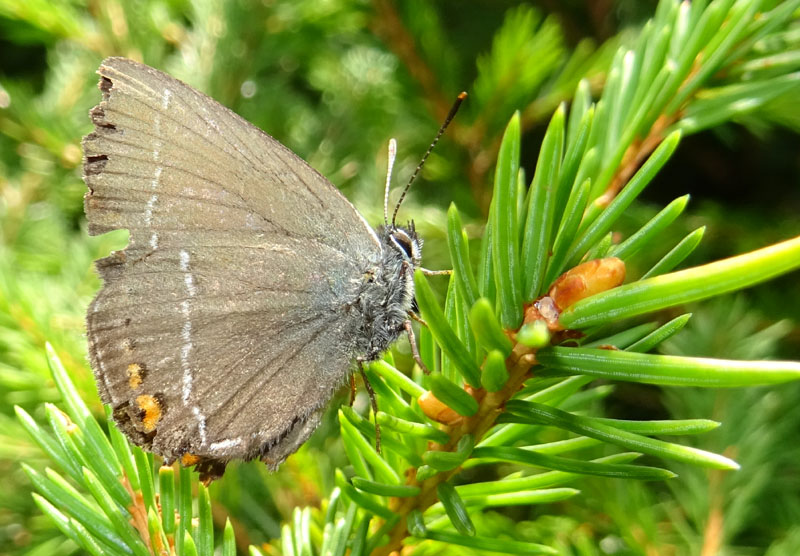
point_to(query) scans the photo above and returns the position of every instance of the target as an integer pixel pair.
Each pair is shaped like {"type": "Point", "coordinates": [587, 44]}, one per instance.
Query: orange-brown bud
{"type": "Point", "coordinates": [438, 411]}
{"type": "Point", "coordinates": [543, 309]}
{"type": "Point", "coordinates": [586, 280]}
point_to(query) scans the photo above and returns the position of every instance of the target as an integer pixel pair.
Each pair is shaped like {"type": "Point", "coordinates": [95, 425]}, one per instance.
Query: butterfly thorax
{"type": "Point", "coordinates": [386, 296]}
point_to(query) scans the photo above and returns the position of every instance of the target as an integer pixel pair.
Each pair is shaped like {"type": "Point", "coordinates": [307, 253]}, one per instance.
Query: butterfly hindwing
{"type": "Point", "coordinates": [238, 280]}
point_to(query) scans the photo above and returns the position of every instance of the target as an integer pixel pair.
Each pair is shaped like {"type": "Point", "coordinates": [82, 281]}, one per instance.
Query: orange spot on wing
{"type": "Point", "coordinates": [135, 375]}
{"type": "Point", "coordinates": [152, 411]}
{"type": "Point", "coordinates": [189, 459]}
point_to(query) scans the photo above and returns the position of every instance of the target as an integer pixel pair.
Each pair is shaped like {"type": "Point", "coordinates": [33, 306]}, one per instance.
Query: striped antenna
{"type": "Point", "coordinates": [450, 115]}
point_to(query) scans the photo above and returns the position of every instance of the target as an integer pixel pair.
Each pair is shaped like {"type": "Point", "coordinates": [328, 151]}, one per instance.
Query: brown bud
{"type": "Point", "coordinates": [586, 280]}
{"type": "Point", "coordinates": [531, 314]}
{"type": "Point", "coordinates": [438, 411]}
{"type": "Point", "coordinates": [546, 310]}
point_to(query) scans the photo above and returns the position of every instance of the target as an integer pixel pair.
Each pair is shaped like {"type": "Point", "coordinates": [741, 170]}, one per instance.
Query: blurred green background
{"type": "Point", "coordinates": [334, 80]}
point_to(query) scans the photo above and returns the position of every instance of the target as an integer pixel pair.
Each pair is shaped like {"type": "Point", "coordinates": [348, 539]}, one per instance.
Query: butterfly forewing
{"type": "Point", "coordinates": [222, 328]}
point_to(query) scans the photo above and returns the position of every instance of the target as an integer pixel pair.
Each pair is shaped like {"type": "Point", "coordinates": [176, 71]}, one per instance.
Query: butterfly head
{"type": "Point", "coordinates": [406, 243]}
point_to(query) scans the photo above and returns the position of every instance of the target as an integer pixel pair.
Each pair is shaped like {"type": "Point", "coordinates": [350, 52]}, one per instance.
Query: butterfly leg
{"type": "Point", "coordinates": [416, 317]}
{"type": "Point", "coordinates": [428, 272]}
{"type": "Point", "coordinates": [374, 401]}
{"type": "Point", "coordinates": [352, 389]}
{"type": "Point", "coordinates": [414, 351]}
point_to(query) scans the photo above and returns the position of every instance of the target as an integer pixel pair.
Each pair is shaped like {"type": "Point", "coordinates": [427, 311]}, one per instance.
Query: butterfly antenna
{"type": "Point", "coordinates": [450, 115]}
{"type": "Point", "coordinates": [392, 156]}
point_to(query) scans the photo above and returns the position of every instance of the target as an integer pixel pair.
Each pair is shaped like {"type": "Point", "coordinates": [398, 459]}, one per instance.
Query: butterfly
{"type": "Point", "coordinates": [250, 284]}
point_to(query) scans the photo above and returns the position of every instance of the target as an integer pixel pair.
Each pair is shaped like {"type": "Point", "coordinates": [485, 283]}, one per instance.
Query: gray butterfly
{"type": "Point", "coordinates": [249, 286]}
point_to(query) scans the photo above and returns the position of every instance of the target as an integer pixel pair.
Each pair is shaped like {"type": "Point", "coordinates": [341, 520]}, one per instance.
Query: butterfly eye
{"type": "Point", "coordinates": [404, 243]}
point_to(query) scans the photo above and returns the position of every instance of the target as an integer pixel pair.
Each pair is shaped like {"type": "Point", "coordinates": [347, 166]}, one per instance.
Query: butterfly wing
{"type": "Point", "coordinates": [225, 325]}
